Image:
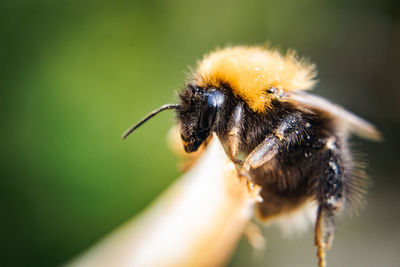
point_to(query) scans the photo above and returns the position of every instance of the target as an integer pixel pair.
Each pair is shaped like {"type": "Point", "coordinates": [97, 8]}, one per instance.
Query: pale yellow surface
{"type": "Point", "coordinates": [250, 71]}
{"type": "Point", "coordinates": [196, 222]}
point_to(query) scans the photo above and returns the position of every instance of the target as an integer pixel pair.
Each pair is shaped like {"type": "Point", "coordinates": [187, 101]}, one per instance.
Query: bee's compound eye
{"type": "Point", "coordinates": [208, 112]}
{"type": "Point", "coordinates": [209, 109]}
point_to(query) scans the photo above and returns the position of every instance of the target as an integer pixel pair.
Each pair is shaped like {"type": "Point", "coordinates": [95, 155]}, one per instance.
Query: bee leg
{"type": "Point", "coordinates": [330, 197]}
{"type": "Point", "coordinates": [286, 130]}
{"type": "Point", "coordinates": [233, 140]}
{"type": "Point", "coordinates": [262, 153]}
{"type": "Point", "coordinates": [324, 229]}
{"type": "Point", "coordinates": [254, 235]}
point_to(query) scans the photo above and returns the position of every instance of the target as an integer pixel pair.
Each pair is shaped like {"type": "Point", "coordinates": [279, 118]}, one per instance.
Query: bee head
{"type": "Point", "coordinates": [198, 114]}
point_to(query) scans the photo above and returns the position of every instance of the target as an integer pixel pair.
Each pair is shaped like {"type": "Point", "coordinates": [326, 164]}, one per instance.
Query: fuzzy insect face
{"type": "Point", "coordinates": [198, 114]}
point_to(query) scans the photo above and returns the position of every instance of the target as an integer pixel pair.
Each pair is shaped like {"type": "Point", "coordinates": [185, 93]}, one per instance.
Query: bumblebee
{"type": "Point", "coordinates": [292, 144]}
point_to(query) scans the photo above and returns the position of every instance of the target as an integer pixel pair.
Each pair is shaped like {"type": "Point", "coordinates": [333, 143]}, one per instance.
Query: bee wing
{"type": "Point", "coordinates": [351, 122]}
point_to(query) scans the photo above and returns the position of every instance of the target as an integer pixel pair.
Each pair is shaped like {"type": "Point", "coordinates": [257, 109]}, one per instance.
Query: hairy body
{"type": "Point", "coordinates": [290, 143]}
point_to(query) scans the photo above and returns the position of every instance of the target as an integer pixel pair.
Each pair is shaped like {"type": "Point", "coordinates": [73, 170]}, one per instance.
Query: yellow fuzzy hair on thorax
{"type": "Point", "coordinates": [251, 71]}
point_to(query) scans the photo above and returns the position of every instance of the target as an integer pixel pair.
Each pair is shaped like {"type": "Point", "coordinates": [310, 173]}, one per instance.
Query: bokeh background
{"type": "Point", "coordinates": [75, 74]}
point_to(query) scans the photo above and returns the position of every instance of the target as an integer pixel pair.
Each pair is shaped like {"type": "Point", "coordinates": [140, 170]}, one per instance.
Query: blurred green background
{"type": "Point", "coordinates": [75, 74]}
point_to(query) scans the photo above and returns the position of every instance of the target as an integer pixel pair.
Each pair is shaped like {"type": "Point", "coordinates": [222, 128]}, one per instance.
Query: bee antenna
{"type": "Point", "coordinates": [149, 116]}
